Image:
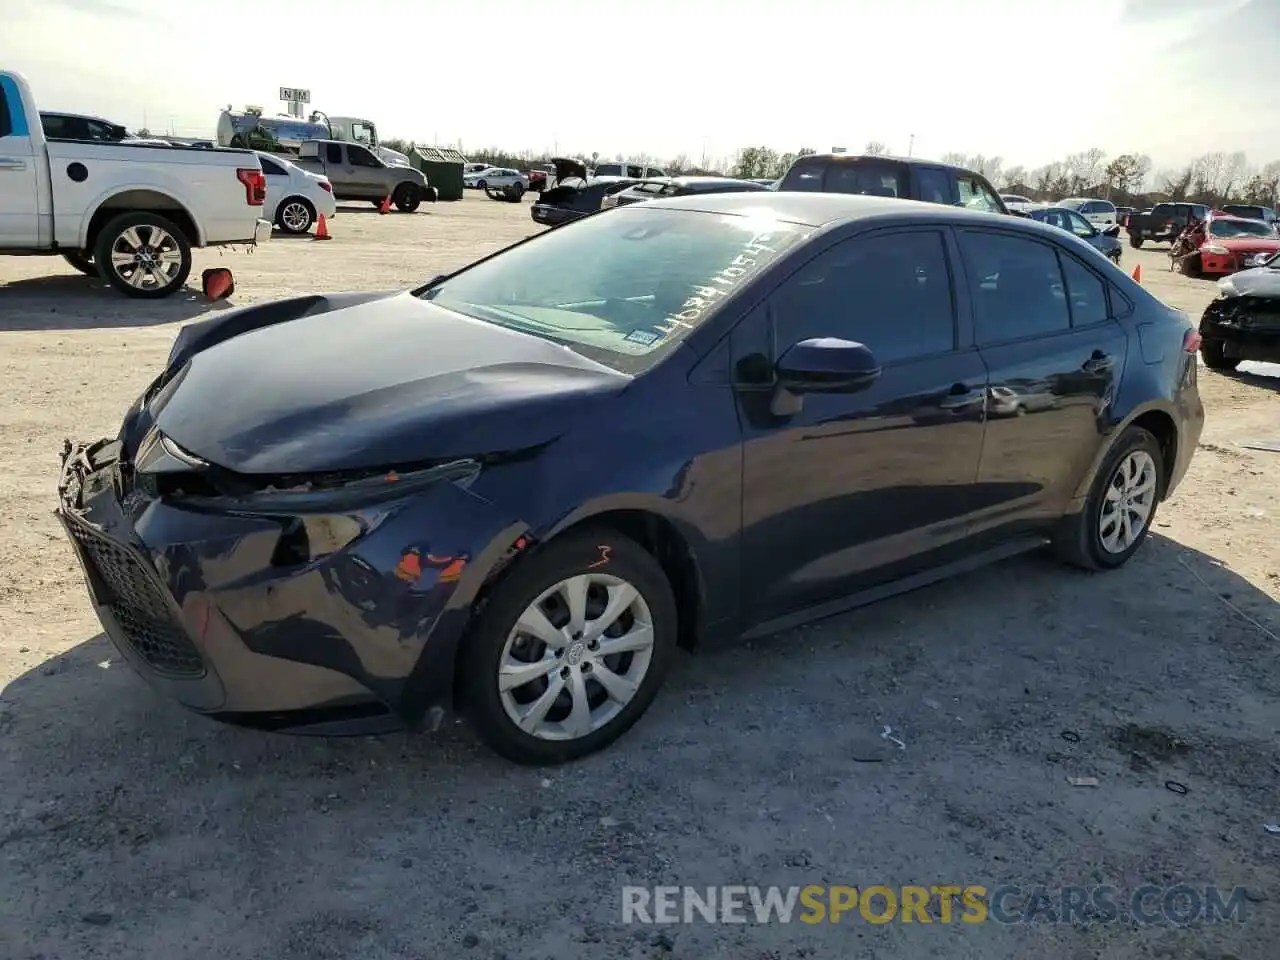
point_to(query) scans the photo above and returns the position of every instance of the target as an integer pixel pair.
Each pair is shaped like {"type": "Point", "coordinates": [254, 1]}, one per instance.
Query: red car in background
{"type": "Point", "coordinates": [1222, 244]}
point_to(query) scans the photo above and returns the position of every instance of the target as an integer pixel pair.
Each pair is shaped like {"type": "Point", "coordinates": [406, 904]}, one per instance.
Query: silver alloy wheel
{"type": "Point", "coordinates": [1127, 506]}
{"type": "Point", "coordinates": [296, 217]}
{"type": "Point", "coordinates": [150, 263]}
{"type": "Point", "coordinates": [576, 657]}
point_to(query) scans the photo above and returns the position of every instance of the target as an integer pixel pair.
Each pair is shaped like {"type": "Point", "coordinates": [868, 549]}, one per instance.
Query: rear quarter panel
{"type": "Point", "coordinates": [203, 182]}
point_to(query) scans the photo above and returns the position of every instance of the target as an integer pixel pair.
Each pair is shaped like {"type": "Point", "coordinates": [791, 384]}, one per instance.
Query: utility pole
{"type": "Point", "coordinates": [911, 144]}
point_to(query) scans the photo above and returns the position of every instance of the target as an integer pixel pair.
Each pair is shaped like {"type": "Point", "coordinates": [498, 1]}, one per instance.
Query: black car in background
{"type": "Point", "coordinates": [1251, 211]}
{"type": "Point", "coordinates": [1164, 222]}
{"type": "Point", "coordinates": [573, 193]}
{"type": "Point", "coordinates": [905, 177]}
{"type": "Point", "coordinates": [679, 187]}
{"type": "Point", "coordinates": [1105, 241]}
{"type": "Point", "coordinates": [1243, 323]}
{"type": "Point", "coordinates": [518, 488]}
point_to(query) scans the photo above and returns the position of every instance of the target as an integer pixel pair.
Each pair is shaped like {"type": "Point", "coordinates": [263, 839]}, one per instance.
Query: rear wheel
{"type": "Point", "coordinates": [570, 649]}
{"type": "Point", "coordinates": [1189, 266]}
{"type": "Point", "coordinates": [1120, 507]}
{"type": "Point", "coordinates": [1135, 240]}
{"type": "Point", "coordinates": [296, 214]}
{"type": "Point", "coordinates": [1215, 358]}
{"type": "Point", "coordinates": [407, 197]}
{"type": "Point", "coordinates": [81, 261]}
{"type": "Point", "coordinates": [515, 193]}
{"type": "Point", "coordinates": [482, 184]}
{"type": "Point", "coordinates": [143, 255]}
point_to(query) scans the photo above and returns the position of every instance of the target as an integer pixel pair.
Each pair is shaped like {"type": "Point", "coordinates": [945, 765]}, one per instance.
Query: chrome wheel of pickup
{"type": "Point", "coordinates": [143, 255]}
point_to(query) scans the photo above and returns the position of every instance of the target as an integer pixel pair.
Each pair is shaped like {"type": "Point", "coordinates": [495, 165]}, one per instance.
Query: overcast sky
{"type": "Point", "coordinates": [1028, 80]}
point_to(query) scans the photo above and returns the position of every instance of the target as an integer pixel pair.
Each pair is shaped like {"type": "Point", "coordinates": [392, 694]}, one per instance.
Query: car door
{"type": "Point", "coordinates": [19, 187]}
{"type": "Point", "coordinates": [1043, 323]}
{"type": "Point", "coordinates": [368, 175]}
{"type": "Point", "coordinates": [845, 490]}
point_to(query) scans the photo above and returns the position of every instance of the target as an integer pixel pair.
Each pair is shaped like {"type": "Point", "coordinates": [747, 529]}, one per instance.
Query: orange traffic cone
{"type": "Point", "coordinates": [1137, 274]}
{"type": "Point", "coordinates": [386, 205]}
{"type": "Point", "coordinates": [322, 230]}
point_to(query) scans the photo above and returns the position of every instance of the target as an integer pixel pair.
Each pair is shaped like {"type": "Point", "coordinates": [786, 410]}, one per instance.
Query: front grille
{"type": "Point", "coordinates": [139, 606]}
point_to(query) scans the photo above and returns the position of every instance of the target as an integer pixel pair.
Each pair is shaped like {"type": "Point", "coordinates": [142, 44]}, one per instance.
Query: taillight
{"type": "Point", "coordinates": [1191, 341]}
{"type": "Point", "coordinates": [255, 185]}
{"type": "Point", "coordinates": [326, 186]}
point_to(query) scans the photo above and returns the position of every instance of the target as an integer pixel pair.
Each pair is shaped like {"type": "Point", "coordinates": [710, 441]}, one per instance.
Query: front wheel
{"type": "Point", "coordinates": [143, 255]}
{"type": "Point", "coordinates": [1135, 240]}
{"type": "Point", "coordinates": [407, 197]}
{"type": "Point", "coordinates": [81, 261]}
{"type": "Point", "coordinates": [515, 193]}
{"type": "Point", "coordinates": [570, 649]}
{"type": "Point", "coordinates": [1189, 265]}
{"type": "Point", "coordinates": [1120, 508]}
{"type": "Point", "coordinates": [482, 184]}
{"type": "Point", "coordinates": [1215, 358]}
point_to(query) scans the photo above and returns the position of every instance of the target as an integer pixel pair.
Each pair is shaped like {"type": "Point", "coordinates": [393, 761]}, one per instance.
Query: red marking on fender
{"type": "Point", "coordinates": [605, 550]}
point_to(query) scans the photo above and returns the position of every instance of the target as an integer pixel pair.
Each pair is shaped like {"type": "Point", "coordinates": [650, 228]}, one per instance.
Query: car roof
{"type": "Point", "coordinates": [905, 161]}
{"type": "Point", "coordinates": [821, 209]}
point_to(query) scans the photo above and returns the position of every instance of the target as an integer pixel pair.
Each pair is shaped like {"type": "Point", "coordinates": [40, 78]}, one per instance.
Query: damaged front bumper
{"type": "Point", "coordinates": [1248, 327]}
{"type": "Point", "coordinates": [315, 623]}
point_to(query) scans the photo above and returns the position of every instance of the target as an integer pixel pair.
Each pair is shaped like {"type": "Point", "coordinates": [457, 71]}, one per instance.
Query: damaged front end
{"type": "Point", "coordinates": [322, 604]}
{"type": "Point", "coordinates": [1243, 323]}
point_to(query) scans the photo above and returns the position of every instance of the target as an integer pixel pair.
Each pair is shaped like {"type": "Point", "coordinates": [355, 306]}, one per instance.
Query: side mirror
{"type": "Point", "coordinates": [826, 365]}
{"type": "Point", "coordinates": [1112, 231]}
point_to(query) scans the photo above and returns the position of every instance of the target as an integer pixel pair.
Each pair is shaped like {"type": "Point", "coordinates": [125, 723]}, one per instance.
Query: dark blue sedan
{"type": "Point", "coordinates": [1105, 241]}
{"type": "Point", "coordinates": [519, 488]}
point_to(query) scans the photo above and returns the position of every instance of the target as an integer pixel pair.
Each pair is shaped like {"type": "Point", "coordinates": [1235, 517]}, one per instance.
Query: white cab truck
{"type": "Point", "coordinates": [129, 214]}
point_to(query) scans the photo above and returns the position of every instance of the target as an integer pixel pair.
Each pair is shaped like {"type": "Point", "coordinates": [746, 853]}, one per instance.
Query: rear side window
{"type": "Point", "coordinates": [271, 168]}
{"type": "Point", "coordinates": [865, 179]}
{"type": "Point", "coordinates": [1086, 294]}
{"type": "Point", "coordinates": [333, 152]}
{"type": "Point", "coordinates": [6, 122]}
{"type": "Point", "coordinates": [935, 186]}
{"type": "Point", "coordinates": [609, 170]}
{"type": "Point", "coordinates": [1016, 286]}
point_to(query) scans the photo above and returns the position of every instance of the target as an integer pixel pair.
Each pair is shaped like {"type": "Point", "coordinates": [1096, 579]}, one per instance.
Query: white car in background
{"type": "Point", "coordinates": [296, 198]}
{"type": "Point", "coordinates": [495, 178]}
{"type": "Point", "coordinates": [1101, 213]}
{"type": "Point", "coordinates": [1018, 203]}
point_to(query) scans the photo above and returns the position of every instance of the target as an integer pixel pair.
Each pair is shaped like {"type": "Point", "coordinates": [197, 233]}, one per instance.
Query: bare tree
{"type": "Point", "coordinates": [1015, 176]}
{"type": "Point", "coordinates": [678, 164]}
{"type": "Point", "coordinates": [1234, 173]}
{"type": "Point", "coordinates": [875, 148]}
{"type": "Point", "coordinates": [955, 159]}
{"type": "Point", "coordinates": [1177, 183]}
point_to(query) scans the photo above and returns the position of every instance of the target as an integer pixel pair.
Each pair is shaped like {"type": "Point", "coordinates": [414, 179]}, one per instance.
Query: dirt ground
{"type": "Point", "coordinates": [130, 828]}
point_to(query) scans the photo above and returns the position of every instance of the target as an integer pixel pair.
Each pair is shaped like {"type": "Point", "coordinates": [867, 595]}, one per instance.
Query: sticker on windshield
{"type": "Point", "coordinates": [646, 337]}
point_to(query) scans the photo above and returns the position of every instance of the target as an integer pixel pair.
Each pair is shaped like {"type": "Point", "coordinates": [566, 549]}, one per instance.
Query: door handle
{"type": "Point", "coordinates": [1098, 362]}
{"type": "Point", "coordinates": [9, 163]}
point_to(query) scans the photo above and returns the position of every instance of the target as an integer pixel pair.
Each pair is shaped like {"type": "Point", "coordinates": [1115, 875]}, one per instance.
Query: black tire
{"type": "Point", "coordinates": [81, 261]}
{"type": "Point", "coordinates": [1189, 266]}
{"type": "Point", "coordinates": [304, 205]}
{"type": "Point", "coordinates": [407, 197]}
{"type": "Point", "coordinates": [482, 184]}
{"type": "Point", "coordinates": [1214, 358]}
{"type": "Point", "coordinates": [1135, 240]}
{"type": "Point", "coordinates": [114, 231]}
{"type": "Point", "coordinates": [482, 650]}
{"type": "Point", "coordinates": [515, 193]}
{"type": "Point", "coordinates": [1079, 541]}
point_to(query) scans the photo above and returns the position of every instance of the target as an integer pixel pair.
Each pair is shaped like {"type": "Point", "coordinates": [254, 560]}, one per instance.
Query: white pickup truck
{"type": "Point", "coordinates": [129, 214]}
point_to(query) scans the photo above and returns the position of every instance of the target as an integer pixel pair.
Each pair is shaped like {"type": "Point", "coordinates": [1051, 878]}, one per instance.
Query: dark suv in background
{"type": "Point", "coordinates": [904, 177]}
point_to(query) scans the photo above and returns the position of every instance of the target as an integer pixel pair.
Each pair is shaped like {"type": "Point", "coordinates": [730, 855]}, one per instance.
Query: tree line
{"type": "Point", "coordinates": [1126, 178]}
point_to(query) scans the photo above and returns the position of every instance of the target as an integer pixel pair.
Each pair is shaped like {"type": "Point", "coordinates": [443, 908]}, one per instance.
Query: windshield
{"type": "Point", "coordinates": [1240, 228]}
{"type": "Point", "coordinates": [620, 286]}
{"type": "Point", "coordinates": [1072, 204]}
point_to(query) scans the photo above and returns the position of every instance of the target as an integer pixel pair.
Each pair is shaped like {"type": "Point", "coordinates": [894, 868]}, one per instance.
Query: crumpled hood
{"type": "Point", "coordinates": [387, 381]}
{"type": "Point", "coordinates": [1258, 282]}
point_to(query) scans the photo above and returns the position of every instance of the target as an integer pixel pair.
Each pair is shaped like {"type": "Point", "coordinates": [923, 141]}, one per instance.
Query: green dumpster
{"type": "Point", "coordinates": [443, 169]}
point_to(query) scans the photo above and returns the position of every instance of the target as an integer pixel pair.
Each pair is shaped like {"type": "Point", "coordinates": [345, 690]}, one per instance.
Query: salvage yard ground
{"type": "Point", "coordinates": [131, 828]}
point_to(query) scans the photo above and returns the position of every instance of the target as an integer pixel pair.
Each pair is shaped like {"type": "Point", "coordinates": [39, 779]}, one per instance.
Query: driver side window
{"type": "Point", "coordinates": [360, 157]}
{"type": "Point", "coordinates": [1080, 226]}
{"type": "Point", "coordinates": [891, 292]}
{"type": "Point", "coordinates": [974, 195]}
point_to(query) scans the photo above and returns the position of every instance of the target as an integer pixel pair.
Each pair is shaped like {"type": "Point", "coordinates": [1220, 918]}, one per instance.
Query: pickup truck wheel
{"type": "Point", "coordinates": [516, 194]}
{"type": "Point", "coordinates": [143, 255]}
{"type": "Point", "coordinates": [1215, 357]}
{"type": "Point", "coordinates": [295, 215]}
{"type": "Point", "coordinates": [81, 261]}
{"type": "Point", "coordinates": [407, 197]}
{"type": "Point", "coordinates": [1135, 240]}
